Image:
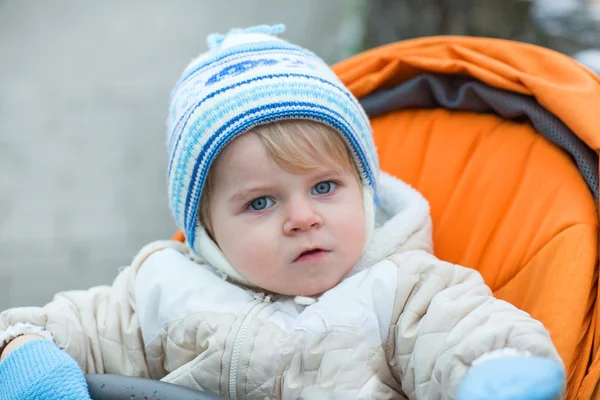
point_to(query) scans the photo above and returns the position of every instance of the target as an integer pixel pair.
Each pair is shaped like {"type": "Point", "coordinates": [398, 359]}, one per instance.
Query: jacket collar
{"type": "Point", "coordinates": [402, 212]}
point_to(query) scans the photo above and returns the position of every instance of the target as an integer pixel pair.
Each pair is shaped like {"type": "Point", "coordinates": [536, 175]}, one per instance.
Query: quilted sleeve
{"type": "Point", "coordinates": [97, 327]}
{"type": "Point", "coordinates": [444, 318]}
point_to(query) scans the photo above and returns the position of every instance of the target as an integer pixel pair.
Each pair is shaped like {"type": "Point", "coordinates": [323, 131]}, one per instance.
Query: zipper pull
{"type": "Point", "coordinates": [262, 297]}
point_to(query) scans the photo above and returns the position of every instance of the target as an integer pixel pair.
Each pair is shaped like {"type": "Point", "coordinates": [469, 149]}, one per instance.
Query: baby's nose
{"type": "Point", "coordinates": [301, 217]}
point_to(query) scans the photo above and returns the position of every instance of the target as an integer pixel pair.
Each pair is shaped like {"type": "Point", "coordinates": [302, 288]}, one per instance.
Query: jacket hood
{"type": "Point", "coordinates": [401, 220]}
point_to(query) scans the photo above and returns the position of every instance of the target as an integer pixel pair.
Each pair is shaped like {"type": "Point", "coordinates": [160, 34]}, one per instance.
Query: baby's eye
{"type": "Point", "coordinates": [323, 187]}
{"type": "Point", "coordinates": [260, 204]}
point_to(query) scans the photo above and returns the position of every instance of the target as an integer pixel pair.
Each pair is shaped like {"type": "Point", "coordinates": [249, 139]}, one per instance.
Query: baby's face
{"type": "Point", "coordinates": [294, 234]}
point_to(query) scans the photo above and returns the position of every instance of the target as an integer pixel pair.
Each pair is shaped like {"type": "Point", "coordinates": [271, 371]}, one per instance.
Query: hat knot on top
{"type": "Point", "coordinates": [215, 40]}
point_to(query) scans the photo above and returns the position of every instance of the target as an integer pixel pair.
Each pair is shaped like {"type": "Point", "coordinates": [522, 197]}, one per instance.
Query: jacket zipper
{"type": "Point", "coordinates": [239, 341]}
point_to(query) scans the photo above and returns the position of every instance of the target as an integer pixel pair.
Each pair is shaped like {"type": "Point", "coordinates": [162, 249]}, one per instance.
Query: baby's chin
{"type": "Point", "coordinates": [310, 282]}
{"type": "Point", "coordinates": [307, 289]}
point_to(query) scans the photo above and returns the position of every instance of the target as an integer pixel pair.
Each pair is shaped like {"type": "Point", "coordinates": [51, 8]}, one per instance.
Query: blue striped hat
{"type": "Point", "coordinates": [250, 77]}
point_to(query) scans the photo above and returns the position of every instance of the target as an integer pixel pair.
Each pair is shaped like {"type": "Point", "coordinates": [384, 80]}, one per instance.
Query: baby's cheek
{"type": "Point", "coordinates": [351, 231]}
{"type": "Point", "coordinates": [253, 257]}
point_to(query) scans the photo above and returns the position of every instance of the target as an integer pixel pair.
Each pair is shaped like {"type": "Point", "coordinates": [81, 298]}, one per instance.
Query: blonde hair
{"type": "Point", "coordinates": [297, 146]}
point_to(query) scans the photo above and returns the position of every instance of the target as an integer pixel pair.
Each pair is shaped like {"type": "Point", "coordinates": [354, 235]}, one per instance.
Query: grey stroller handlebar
{"type": "Point", "coordinates": [118, 387]}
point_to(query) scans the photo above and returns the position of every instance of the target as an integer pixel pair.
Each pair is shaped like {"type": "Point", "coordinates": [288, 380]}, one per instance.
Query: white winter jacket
{"type": "Point", "coordinates": [402, 324]}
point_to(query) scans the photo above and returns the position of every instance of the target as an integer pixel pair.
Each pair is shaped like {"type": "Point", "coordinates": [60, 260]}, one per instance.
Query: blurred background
{"type": "Point", "coordinates": [84, 89]}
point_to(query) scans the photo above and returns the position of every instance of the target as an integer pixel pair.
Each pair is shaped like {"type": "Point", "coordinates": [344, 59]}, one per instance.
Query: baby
{"type": "Point", "coordinates": [306, 272]}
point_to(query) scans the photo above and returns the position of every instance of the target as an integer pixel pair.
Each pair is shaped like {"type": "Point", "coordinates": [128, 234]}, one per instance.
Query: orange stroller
{"type": "Point", "coordinates": [502, 138]}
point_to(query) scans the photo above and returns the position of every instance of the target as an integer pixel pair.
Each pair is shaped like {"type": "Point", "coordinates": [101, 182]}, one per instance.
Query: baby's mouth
{"type": "Point", "coordinates": [312, 255]}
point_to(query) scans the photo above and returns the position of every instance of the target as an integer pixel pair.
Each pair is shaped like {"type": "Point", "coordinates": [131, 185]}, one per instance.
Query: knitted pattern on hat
{"type": "Point", "coordinates": [40, 370]}
{"type": "Point", "coordinates": [250, 77]}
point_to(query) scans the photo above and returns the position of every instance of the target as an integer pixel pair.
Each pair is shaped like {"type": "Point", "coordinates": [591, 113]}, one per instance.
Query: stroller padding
{"type": "Point", "coordinates": [504, 201]}
{"type": "Point", "coordinates": [464, 93]}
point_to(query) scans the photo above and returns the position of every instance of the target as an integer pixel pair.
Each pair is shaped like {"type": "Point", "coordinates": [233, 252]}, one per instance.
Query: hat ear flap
{"type": "Point", "coordinates": [369, 207]}
{"type": "Point", "coordinates": [211, 253]}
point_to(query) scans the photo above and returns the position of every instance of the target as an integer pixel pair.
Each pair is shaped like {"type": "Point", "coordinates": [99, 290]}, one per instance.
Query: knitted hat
{"type": "Point", "coordinates": [250, 77]}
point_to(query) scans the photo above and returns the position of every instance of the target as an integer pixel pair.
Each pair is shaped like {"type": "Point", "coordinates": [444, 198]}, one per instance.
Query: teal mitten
{"type": "Point", "coordinates": [512, 378]}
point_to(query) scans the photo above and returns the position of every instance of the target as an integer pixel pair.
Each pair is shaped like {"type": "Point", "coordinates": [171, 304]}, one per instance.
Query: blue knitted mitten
{"type": "Point", "coordinates": [513, 378]}
{"type": "Point", "coordinates": [40, 370]}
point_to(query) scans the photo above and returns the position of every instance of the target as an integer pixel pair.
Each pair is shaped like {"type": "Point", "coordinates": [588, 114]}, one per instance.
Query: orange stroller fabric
{"type": "Point", "coordinates": [504, 200]}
